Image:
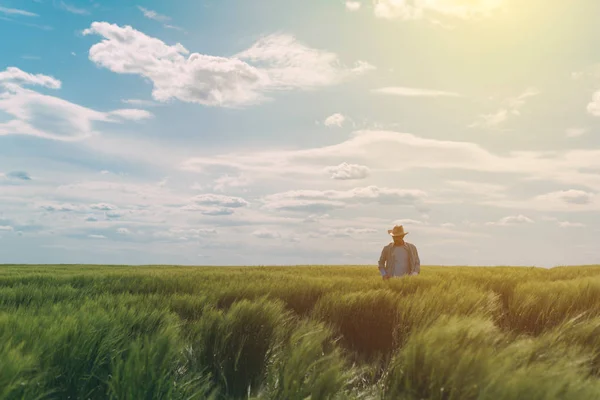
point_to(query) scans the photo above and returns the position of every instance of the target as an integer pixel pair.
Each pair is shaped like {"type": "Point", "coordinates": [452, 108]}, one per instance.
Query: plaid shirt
{"type": "Point", "coordinates": [386, 260]}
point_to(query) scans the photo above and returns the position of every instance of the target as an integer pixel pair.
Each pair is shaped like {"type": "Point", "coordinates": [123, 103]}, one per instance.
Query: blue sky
{"type": "Point", "coordinates": [298, 132]}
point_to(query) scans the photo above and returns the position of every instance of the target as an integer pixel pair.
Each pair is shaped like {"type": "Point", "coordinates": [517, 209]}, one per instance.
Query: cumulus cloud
{"type": "Point", "coordinates": [215, 204]}
{"type": "Point", "coordinates": [574, 197]}
{"type": "Point", "coordinates": [346, 171]}
{"type": "Point", "coordinates": [47, 116]}
{"type": "Point", "coordinates": [16, 76]}
{"type": "Point", "coordinates": [219, 200]}
{"type": "Point", "coordinates": [512, 220]}
{"type": "Point", "coordinates": [336, 119]}
{"type": "Point", "coordinates": [410, 9]}
{"type": "Point", "coordinates": [414, 92]}
{"type": "Point", "coordinates": [266, 234]}
{"type": "Point", "coordinates": [275, 62]}
{"type": "Point", "coordinates": [103, 207]}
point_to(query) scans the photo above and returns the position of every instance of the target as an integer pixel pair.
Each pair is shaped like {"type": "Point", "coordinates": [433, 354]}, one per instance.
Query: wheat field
{"type": "Point", "coordinates": [305, 332]}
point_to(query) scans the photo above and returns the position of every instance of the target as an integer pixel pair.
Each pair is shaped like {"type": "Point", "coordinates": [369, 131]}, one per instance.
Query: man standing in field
{"type": "Point", "coordinates": [399, 258]}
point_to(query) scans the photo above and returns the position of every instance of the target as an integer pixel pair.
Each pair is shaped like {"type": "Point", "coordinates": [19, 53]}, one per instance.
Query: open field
{"type": "Point", "coordinates": [314, 332]}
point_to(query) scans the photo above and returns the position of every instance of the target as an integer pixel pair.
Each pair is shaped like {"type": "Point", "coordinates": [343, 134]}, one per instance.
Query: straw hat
{"type": "Point", "coordinates": [397, 231]}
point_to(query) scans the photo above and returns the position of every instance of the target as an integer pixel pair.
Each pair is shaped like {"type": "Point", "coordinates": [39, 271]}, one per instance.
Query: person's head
{"type": "Point", "coordinates": [398, 234]}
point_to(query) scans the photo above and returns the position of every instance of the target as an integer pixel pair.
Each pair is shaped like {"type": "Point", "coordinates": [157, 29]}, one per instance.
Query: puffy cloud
{"type": "Point", "coordinates": [47, 116]}
{"type": "Point", "coordinates": [336, 119]}
{"type": "Point", "coordinates": [16, 76]}
{"type": "Point", "coordinates": [574, 197]}
{"type": "Point", "coordinates": [512, 220]}
{"type": "Point", "coordinates": [282, 63]}
{"type": "Point", "coordinates": [103, 207]}
{"type": "Point", "coordinates": [266, 234]}
{"type": "Point", "coordinates": [346, 171]}
{"type": "Point", "coordinates": [219, 200]}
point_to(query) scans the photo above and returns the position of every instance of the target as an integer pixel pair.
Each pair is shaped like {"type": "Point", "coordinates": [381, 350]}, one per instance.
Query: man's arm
{"type": "Point", "coordinates": [383, 261]}
{"type": "Point", "coordinates": [417, 270]}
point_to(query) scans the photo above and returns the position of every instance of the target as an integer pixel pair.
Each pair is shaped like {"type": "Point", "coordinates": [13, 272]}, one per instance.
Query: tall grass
{"type": "Point", "coordinates": [307, 332]}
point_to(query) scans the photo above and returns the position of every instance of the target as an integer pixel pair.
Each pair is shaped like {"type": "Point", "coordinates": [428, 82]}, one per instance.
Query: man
{"type": "Point", "coordinates": [399, 258]}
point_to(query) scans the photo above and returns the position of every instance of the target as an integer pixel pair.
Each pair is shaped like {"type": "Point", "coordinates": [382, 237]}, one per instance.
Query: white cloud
{"type": "Point", "coordinates": [266, 234]}
{"type": "Point", "coordinates": [16, 76]}
{"type": "Point", "coordinates": [6, 228]}
{"type": "Point", "coordinates": [153, 15]}
{"type": "Point", "coordinates": [72, 9]}
{"type": "Point", "coordinates": [575, 132]}
{"type": "Point", "coordinates": [220, 200]}
{"type": "Point", "coordinates": [593, 106]}
{"type": "Point", "coordinates": [353, 5]}
{"type": "Point", "coordinates": [317, 200]}
{"type": "Point", "coordinates": [567, 224]}
{"type": "Point", "coordinates": [512, 107]}
{"type": "Point", "coordinates": [416, 9]}
{"type": "Point", "coordinates": [47, 116]}
{"type": "Point", "coordinates": [346, 171]}
{"type": "Point", "coordinates": [336, 119]}
{"type": "Point", "coordinates": [103, 207]}
{"type": "Point", "coordinates": [512, 220]}
{"type": "Point", "coordinates": [573, 197]}
{"type": "Point", "coordinates": [283, 64]}
{"type": "Point", "coordinates": [132, 114]}
{"type": "Point", "coordinates": [414, 92]}
{"type": "Point", "coordinates": [224, 182]}
{"type": "Point", "coordinates": [15, 11]}
{"type": "Point", "coordinates": [381, 150]}
{"type": "Point", "coordinates": [150, 14]}
{"type": "Point", "coordinates": [97, 236]}
{"type": "Point", "coordinates": [139, 102]}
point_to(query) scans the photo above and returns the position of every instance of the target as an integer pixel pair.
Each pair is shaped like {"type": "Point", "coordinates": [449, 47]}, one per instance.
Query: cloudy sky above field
{"type": "Point", "coordinates": [299, 131]}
